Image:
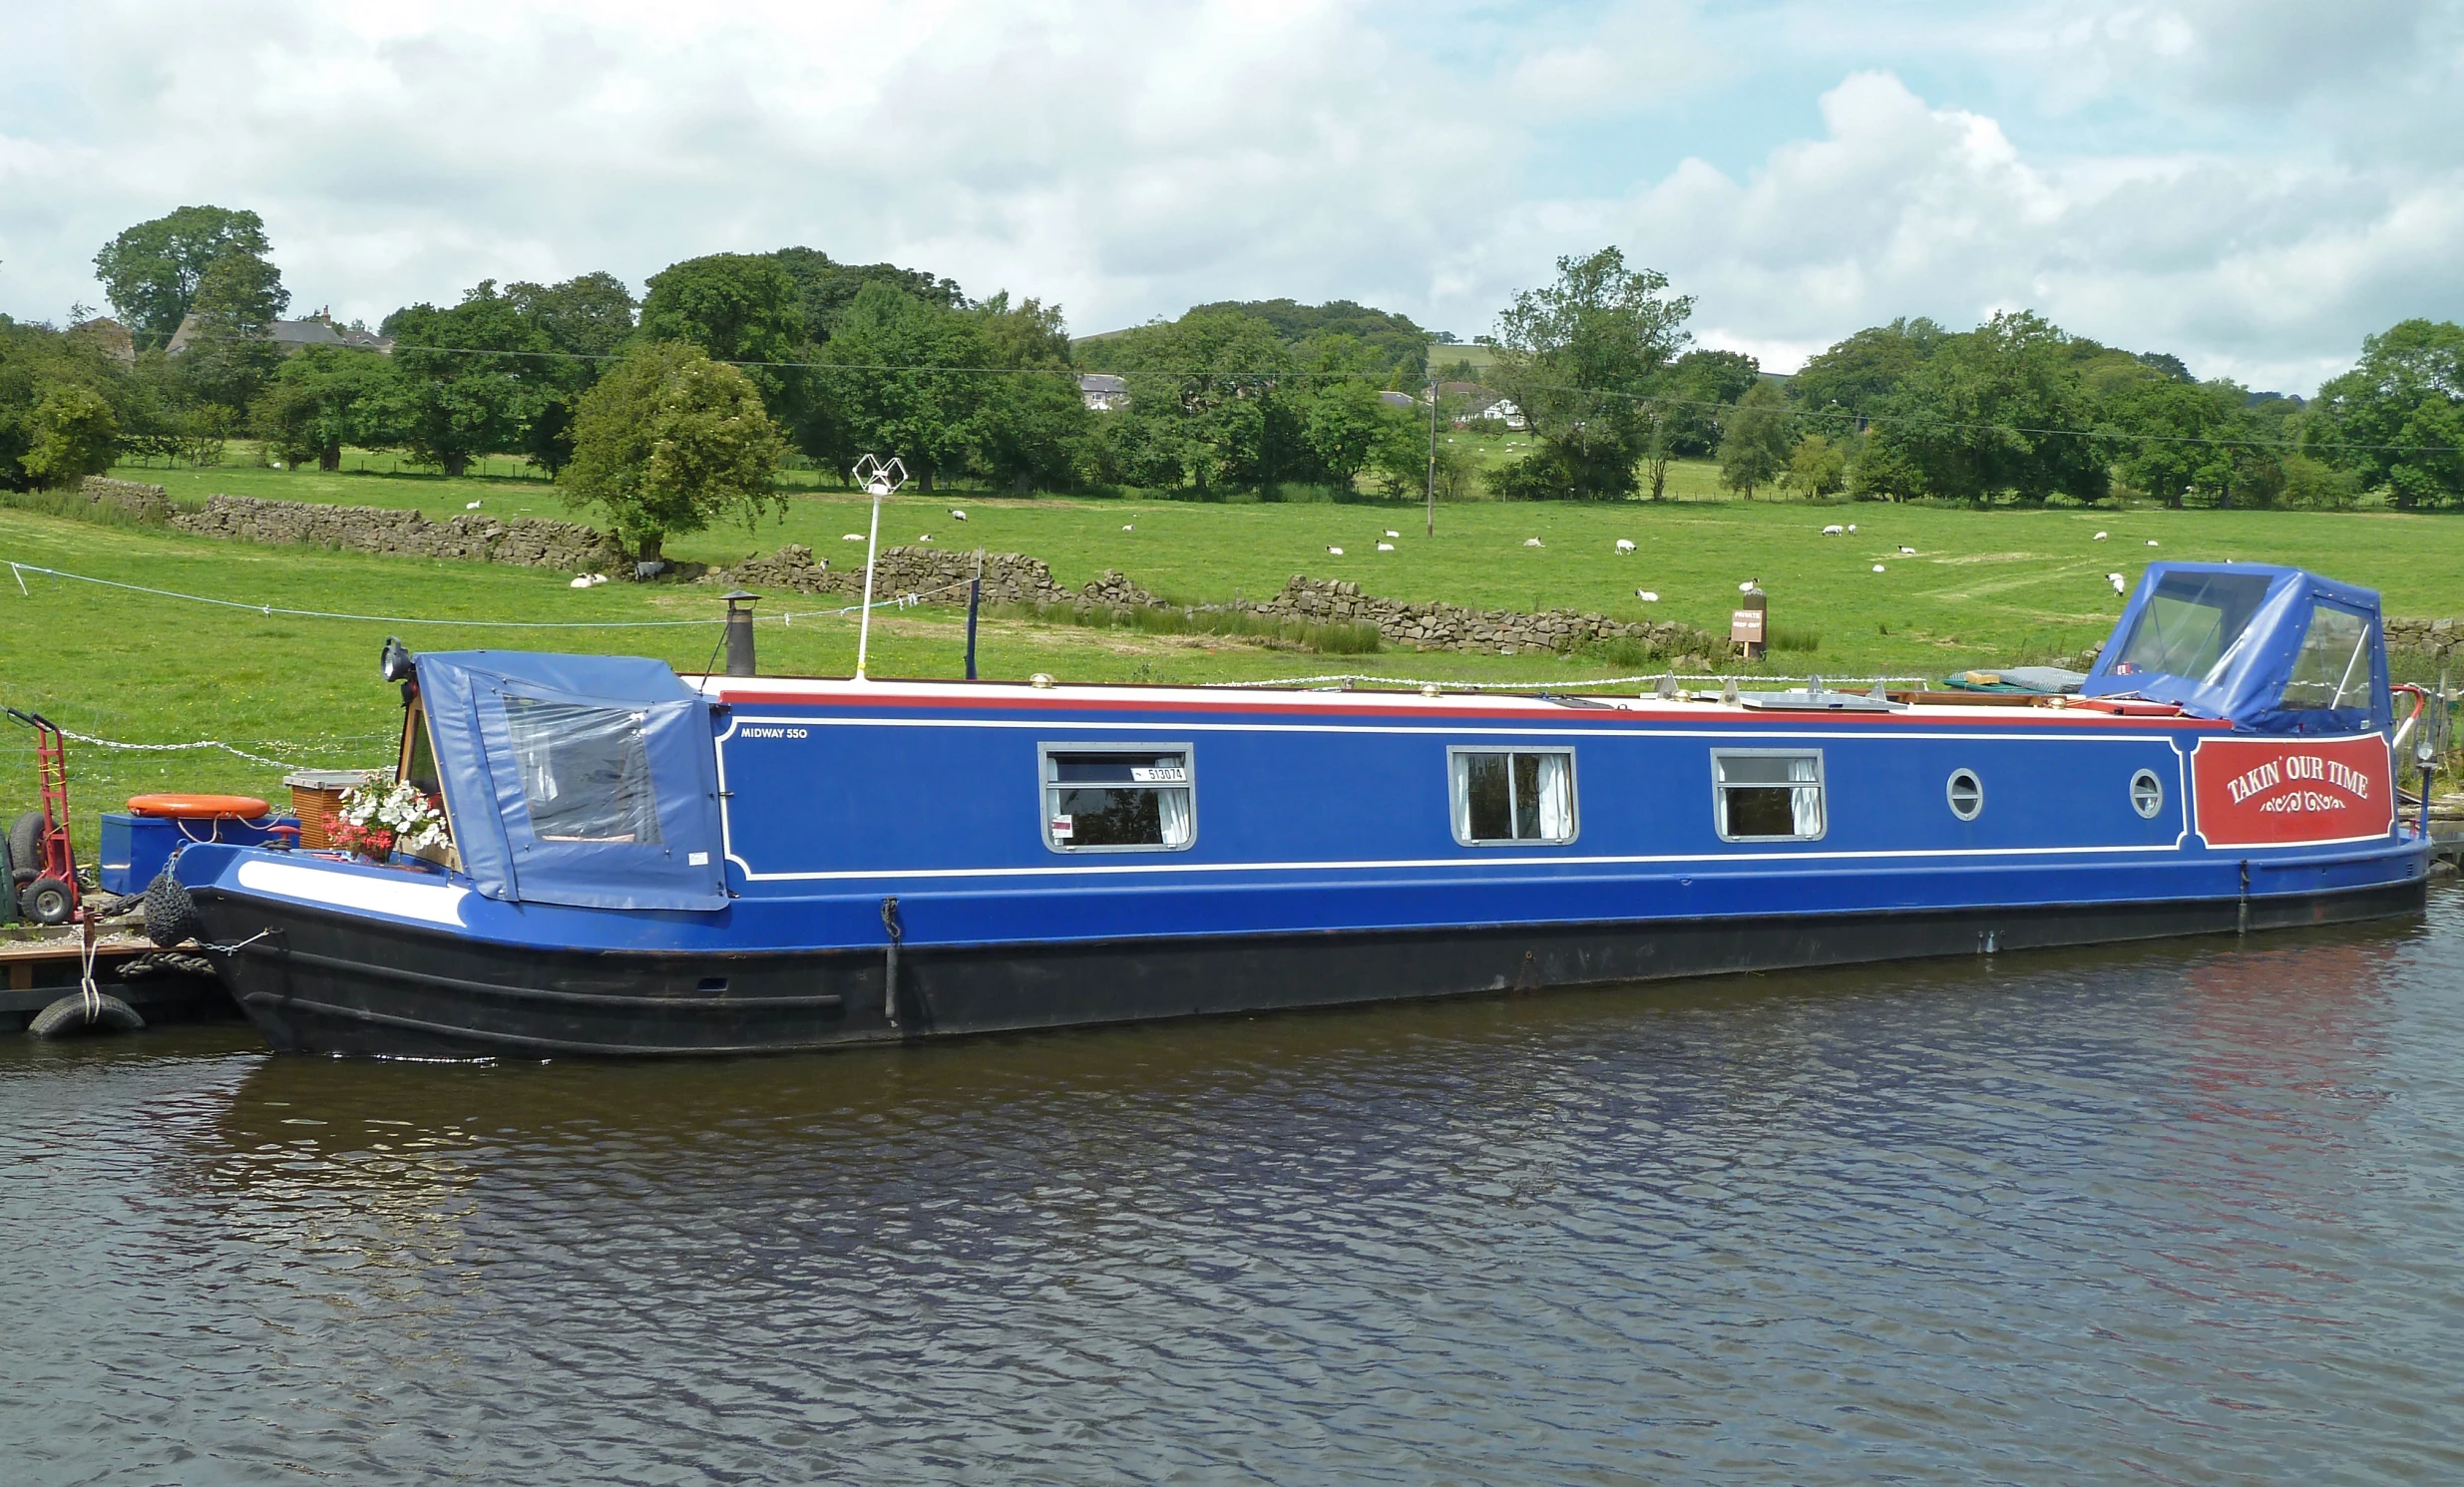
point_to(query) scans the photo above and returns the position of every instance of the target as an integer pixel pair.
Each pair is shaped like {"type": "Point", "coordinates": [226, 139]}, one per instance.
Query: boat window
{"type": "Point", "coordinates": [1098, 799]}
{"type": "Point", "coordinates": [2334, 666]}
{"type": "Point", "coordinates": [585, 773]}
{"type": "Point", "coordinates": [2147, 793]}
{"type": "Point", "coordinates": [419, 759]}
{"type": "Point", "coordinates": [1511, 796]}
{"type": "Point", "coordinates": [2191, 624]}
{"type": "Point", "coordinates": [1768, 795]}
{"type": "Point", "coordinates": [1967, 793]}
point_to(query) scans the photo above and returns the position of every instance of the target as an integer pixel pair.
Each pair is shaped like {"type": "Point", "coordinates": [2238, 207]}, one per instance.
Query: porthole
{"type": "Point", "coordinates": [2147, 793]}
{"type": "Point", "coordinates": [1967, 794]}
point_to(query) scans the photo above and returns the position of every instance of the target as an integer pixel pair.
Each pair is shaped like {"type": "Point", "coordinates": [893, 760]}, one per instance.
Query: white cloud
{"type": "Point", "coordinates": [2252, 186]}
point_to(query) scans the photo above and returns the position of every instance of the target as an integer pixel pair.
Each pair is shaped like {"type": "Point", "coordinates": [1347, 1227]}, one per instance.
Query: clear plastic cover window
{"type": "Point", "coordinates": [2333, 669]}
{"type": "Point", "coordinates": [2191, 624]}
{"type": "Point", "coordinates": [585, 773]}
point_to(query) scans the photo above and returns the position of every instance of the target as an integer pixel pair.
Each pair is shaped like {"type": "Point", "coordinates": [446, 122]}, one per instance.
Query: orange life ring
{"type": "Point", "coordinates": [198, 807]}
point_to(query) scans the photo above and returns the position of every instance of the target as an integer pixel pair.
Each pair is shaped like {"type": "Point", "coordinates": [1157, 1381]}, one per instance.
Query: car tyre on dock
{"type": "Point", "coordinates": [79, 1012]}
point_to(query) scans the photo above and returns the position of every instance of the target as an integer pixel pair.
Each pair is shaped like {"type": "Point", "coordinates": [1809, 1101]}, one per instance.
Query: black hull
{"type": "Point", "coordinates": [328, 982]}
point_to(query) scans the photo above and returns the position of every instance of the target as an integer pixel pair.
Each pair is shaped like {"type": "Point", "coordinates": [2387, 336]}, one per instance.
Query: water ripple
{"type": "Point", "coordinates": [2184, 1213]}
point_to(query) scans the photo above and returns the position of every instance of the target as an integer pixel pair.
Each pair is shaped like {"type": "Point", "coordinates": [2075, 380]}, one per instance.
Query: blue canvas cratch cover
{"type": "Point", "coordinates": [584, 780]}
{"type": "Point", "coordinates": [2272, 649]}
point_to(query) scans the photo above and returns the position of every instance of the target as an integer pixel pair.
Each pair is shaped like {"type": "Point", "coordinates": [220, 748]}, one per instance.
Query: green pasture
{"type": "Point", "coordinates": [1981, 588]}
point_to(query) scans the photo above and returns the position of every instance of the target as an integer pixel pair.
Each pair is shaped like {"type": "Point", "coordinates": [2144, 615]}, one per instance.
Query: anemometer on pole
{"type": "Point", "coordinates": [880, 479]}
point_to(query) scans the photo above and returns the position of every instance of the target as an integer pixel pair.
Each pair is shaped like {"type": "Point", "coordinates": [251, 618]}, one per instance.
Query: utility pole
{"type": "Point", "coordinates": [1433, 454]}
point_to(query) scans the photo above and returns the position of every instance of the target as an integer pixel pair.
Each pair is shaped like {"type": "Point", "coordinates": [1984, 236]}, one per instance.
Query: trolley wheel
{"type": "Point", "coordinates": [170, 914]}
{"type": "Point", "coordinates": [47, 901]}
{"type": "Point", "coordinates": [76, 1014]}
{"type": "Point", "coordinates": [26, 846]}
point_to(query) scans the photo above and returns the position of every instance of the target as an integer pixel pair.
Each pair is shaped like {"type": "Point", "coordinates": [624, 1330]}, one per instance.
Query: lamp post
{"type": "Point", "coordinates": [880, 480]}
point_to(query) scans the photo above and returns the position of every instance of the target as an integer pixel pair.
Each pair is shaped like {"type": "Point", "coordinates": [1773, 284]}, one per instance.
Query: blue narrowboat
{"type": "Point", "coordinates": [643, 864]}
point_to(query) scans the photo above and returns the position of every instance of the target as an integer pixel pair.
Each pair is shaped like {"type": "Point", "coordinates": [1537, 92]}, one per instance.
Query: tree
{"type": "Point", "coordinates": [150, 272]}
{"type": "Point", "coordinates": [670, 441]}
{"type": "Point", "coordinates": [230, 352]}
{"type": "Point", "coordinates": [1034, 429]}
{"type": "Point", "coordinates": [1847, 384]}
{"type": "Point", "coordinates": [1759, 435]}
{"type": "Point", "coordinates": [2173, 436]}
{"type": "Point", "coordinates": [2397, 418]}
{"type": "Point", "coordinates": [826, 287]}
{"type": "Point", "coordinates": [1998, 409]}
{"type": "Point", "coordinates": [1698, 391]}
{"type": "Point", "coordinates": [1578, 358]}
{"type": "Point", "coordinates": [586, 320]}
{"type": "Point", "coordinates": [1394, 348]}
{"type": "Point", "coordinates": [1817, 467]}
{"type": "Point", "coordinates": [1208, 404]}
{"type": "Point", "coordinates": [902, 388]}
{"type": "Point", "coordinates": [327, 397]}
{"type": "Point", "coordinates": [74, 433]}
{"type": "Point", "coordinates": [468, 386]}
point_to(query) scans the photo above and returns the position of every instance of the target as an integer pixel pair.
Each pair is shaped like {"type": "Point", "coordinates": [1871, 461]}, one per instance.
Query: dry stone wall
{"type": "Point", "coordinates": [1013, 577]}
{"type": "Point", "coordinates": [145, 502]}
{"type": "Point", "coordinates": [525, 541]}
{"type": "Point", "coordinates": [2433, 638]}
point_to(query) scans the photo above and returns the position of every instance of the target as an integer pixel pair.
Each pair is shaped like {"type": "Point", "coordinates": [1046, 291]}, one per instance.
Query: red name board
{"type": "Point", "coordinates": [2276, 792]}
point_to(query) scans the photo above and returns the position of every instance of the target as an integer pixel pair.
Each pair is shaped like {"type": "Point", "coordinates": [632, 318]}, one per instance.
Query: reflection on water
{"type": "Point", "coordinates": [2186, 1212]}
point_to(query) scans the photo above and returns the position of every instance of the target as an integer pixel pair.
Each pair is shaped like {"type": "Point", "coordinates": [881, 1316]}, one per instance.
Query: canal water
{"type": "Point", "coordinates": [2180, 1213]}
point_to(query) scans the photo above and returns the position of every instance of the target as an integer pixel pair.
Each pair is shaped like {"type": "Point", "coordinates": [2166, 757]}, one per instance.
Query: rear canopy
{"type": "Point", "coordinates": [2272, 649]}
{"type": "Point", "coordinates": [582, 780]}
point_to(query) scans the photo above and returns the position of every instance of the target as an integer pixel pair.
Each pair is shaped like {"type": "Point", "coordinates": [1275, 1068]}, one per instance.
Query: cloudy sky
{"type": "Point", "coordinates": [2252, 184]}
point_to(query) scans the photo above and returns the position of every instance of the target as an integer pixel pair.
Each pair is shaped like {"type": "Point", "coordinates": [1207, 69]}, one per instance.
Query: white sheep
{"type": "Point", "coordinates": [1878, 567]}
{"type": "Point", "coordinates": [1126, 527]}
{"type": "Point", "coordinates": [1646, 595]}
{"type": "Point", "coordinates": [598, 579]}
{"type": "Point", "coordinates": [2116, 580]}
{"type": "Point", "coordinates": [1907, 550]}
{"type": "Point", "coordinates": [2100, 537]}
{"type": "Point", "coordinates": [472, 507]}
{"type": "Point", "coordinates": [1385, 547]}
{"type": "Point", "coordinates": [1393, 534]}
{"type": "Point", "coordinates": [1748, 586]}
{"type": "Point", "coordinates": [581, 582]}
{"type": "Point", "coordinates": [851, 537]}
{"type": "Point", "coordinates": [1532, 541]}
{"type": "Point", "coordinates": [1334, 552]}
{"type": "Point", "coordinates": [1834, 530]}
{"type": "Point", "coordinates": [2151, 541]}
{"type": "Point", "coordinates": [955, 514]}
{"type": "Point", "coordinates": [1852, 527]}
{"type": "Point", "coordinates": [1625, 544]}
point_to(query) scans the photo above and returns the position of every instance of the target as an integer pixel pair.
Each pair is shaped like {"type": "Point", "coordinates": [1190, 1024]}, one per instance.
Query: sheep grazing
{"type": "Point", "coordinates": [1907, 552]}
{"type": "Point", "coordinates": [928, 537]}
{"type": "Point", "coordinates": [1385, 547]}
{"type": "Point", "coordinates": [472, 507]}
{"type": "Point", "coordinates": [581, 582]}
{"type": "Point", "coordinates": [1646, 595]}
{"type": "Point", "coordinates": [1852, 527]}
{"type": "Point", "coordinates": [1834, 530]}
{"type": "Point", "coordinates": [851, 537]}
{"type": "Point", "coordinates": [1334, 552]}
{"type": "Point", "coordinates": [2100, 537]}
{"type": "Point", "coordinates": [1393, 534]}
{"type": "Point", "coordinates": [1625, 544]}
{"type": "Point", "coordinates": [1126, 527]}
{"type": "Point", "coordinates": [955, 514]}
{"type": "Point", "coordinates": [2116, 580]}
{"type": "Point", "coordinates": [1532, 541]}
{"type": "Point", "coordinates": [2151, 541]}
{"type": "Point", "coordinates": [1878, 567]}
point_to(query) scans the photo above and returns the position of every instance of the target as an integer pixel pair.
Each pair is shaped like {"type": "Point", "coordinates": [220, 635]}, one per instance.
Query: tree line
{"type": "Point", "coordinates": [786, 356]}
{"type": "Point", "coordinates": [2015, 411]}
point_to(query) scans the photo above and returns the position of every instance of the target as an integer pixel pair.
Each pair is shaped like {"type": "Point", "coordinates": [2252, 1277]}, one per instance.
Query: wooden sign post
{"type": "Point", "coordinates": [1745, 624]}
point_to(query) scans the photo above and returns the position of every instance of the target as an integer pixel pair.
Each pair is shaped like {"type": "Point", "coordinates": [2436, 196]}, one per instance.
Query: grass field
{"type": "Point", "coordinates": [1981, 588]}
